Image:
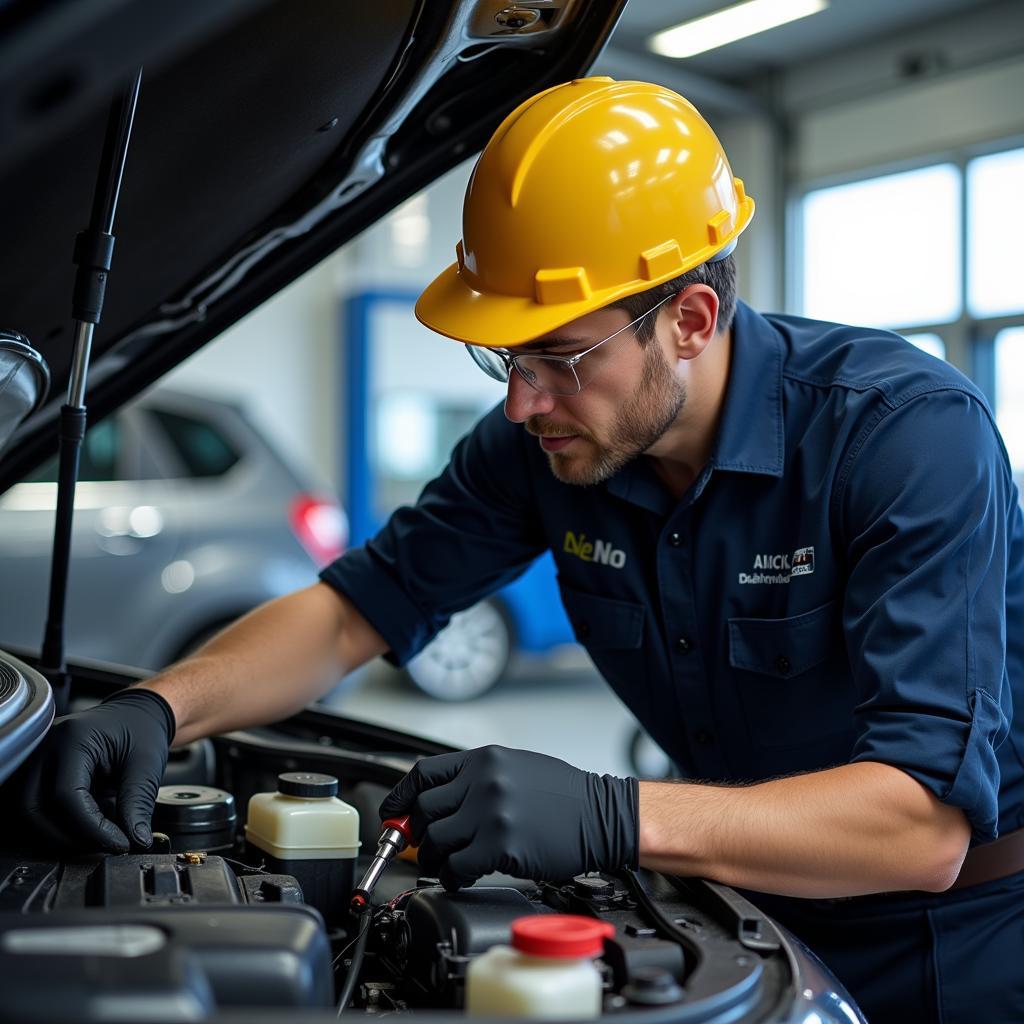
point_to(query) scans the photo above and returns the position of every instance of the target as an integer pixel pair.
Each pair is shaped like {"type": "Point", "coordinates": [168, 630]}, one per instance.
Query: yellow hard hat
{"type": "Point", "coordinates": [587, 192]}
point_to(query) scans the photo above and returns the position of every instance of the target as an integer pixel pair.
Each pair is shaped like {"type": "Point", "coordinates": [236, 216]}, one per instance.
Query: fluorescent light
{"type": "Point", "coordinates": [730, 24]}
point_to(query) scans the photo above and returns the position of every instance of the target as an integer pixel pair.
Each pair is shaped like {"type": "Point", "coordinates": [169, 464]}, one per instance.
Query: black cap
{"type": "Point", "coordinates": [193, 809]}
{"type": "Point", "coordinates": [307, 784]}
{"type": "Point", "coordinates": [593, 887]}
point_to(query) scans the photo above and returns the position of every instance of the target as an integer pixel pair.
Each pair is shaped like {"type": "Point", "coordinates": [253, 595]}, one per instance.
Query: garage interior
{"type": "Point", "coordinates": [852, 98]}
{"type": "Point", "coordinates": [884, 144]}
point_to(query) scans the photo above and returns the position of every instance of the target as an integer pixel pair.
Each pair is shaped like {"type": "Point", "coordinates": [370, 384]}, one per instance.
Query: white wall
{"type": "Point", "coordinates": [753, 149]}
{"type": "Point", "coordinates": [385, 254]}
{"type": "Point", "coordinates": [281, 362]}
{"type": "Point", "coordinates": [861, 109]}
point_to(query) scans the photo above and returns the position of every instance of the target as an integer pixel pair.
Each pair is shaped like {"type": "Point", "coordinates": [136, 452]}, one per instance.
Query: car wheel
{"type": "Point", "coordinates": [468, 656]}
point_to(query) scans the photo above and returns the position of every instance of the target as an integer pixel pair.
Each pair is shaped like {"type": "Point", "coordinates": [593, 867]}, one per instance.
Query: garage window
{"type": "Point", "coordinates": [884, 252]}
{"type": "Point", "coordinates": [1010, 392]}
{"type": "Point", "coordinates": [930, 252]}
{"type": "Point", "coordinates": [995, 210]}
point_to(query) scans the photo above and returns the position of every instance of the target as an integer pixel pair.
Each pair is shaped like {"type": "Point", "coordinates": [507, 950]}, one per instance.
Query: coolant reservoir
{"type": "Point", "coordinates": [304, 830]}
{"type": "Point", "coordinates": [547, 974]}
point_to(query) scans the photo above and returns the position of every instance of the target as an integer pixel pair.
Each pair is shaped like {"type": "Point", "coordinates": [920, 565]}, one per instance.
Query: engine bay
{"type": "Point", "coordinates": [204, 924]}
{"type": "Point", "coordinates": [174, 936]}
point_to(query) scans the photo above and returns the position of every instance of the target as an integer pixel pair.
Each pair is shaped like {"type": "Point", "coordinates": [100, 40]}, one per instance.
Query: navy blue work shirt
{"type": "Point", "coordinates": [843, 582]}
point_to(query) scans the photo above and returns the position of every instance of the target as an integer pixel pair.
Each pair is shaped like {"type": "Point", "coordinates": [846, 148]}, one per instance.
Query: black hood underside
{"type": "Point", "coordinates": [267, 134]}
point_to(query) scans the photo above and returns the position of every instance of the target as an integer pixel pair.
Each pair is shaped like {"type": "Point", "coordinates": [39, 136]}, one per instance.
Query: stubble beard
{"type": "Point", "coordinates": [643, 418]}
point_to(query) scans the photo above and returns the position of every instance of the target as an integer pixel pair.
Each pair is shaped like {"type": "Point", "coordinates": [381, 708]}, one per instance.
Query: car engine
{"type": "Point", "coordinates": [175, 936]}
{"type": "Point", "coordinates": [205, 925]}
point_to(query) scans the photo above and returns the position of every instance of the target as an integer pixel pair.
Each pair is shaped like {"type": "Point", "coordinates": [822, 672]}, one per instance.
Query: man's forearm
{"type": "Point", "coordinates": [268, 665]}
{"type": "Point", "coordinates": [850, 830]}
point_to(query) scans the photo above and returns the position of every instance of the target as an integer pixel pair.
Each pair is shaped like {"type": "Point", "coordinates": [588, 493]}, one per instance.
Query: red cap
{"type": "Point", "coordinates": [568, 935]}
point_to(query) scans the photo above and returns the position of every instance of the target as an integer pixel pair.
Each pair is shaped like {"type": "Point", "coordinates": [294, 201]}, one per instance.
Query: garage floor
{"type": "Point", "coordinates": [565, 710]}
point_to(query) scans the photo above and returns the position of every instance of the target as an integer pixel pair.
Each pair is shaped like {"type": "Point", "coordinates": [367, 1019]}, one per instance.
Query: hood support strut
{"type": "Point", "coordinates": [93, 255]}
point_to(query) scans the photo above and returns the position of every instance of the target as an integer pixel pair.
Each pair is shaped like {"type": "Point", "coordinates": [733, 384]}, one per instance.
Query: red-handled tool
{"type": "Point", "coordinates": [394, 838]}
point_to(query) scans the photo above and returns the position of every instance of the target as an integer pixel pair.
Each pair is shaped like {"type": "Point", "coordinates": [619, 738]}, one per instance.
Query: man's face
{"type": "Point", "coordinates": [631, 396]}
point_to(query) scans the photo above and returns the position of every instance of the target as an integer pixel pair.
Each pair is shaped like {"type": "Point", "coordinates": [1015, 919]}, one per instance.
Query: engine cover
{"type": "Point", "coordinates": [166, 936]}
{"type": "Point", "coordinates": [142, 880]}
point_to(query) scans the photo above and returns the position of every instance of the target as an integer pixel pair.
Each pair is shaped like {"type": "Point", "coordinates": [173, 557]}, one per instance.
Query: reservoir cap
{"type": "Point", "coordinates": [568, 935]}
{"type": "Point", "coordinates": [193, 809]}
{"type": "Point", "coordinates": [307, 784]}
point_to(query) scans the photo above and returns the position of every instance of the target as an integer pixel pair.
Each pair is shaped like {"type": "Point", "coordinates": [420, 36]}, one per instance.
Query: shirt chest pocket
{"type": "Point", "coordinates": [794, 685]}
{"type": "Point", "coordinates": [603, 623]}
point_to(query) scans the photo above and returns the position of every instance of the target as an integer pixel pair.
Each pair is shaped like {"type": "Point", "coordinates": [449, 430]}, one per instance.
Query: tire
{"type": "Point", "coordinates": [468, 657]}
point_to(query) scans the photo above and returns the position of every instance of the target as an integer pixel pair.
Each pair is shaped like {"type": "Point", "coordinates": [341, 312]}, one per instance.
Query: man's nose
{"type": "Point", "coordinates": [522, 401]}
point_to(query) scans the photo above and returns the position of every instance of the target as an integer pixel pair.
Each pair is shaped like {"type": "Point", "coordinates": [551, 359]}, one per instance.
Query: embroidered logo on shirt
{"type": "Point", "coordinates": [803, 562]}
{"type": "Point", "coordinates": [599, 551]}
{"type": "Point", "coordinates": [780, 568]}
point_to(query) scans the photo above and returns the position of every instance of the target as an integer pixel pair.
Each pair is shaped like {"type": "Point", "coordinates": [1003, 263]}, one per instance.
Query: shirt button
{"type": "Point", "coordinates": [675, 539]}
{"type": "Point", "coordinates": [704, 737]}
{"type": "Point", "coordinates": [583, 630]}
{"type": "Point", "coordinates": [683, 645]}
{"type": "Point", "coordinates": [782, 664]}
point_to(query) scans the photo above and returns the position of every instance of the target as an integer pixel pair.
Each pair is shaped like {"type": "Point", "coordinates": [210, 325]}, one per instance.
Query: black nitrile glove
{"type": "Point", "coordinates": [523, 813]}
{"type": "Point", "coordinates": [121, 743]}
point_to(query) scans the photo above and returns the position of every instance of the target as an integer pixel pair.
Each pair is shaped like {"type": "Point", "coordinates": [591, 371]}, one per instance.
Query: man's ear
{"type": "Point", "coordinates": [693, 319]}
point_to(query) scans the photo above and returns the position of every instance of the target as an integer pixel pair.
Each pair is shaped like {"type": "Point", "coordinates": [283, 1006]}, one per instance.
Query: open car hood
{"type": "Point", "coordinates": [268, 133]}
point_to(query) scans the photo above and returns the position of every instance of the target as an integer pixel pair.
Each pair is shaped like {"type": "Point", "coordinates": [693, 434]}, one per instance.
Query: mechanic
{"type": "Point", "coordinates": [794, 549]}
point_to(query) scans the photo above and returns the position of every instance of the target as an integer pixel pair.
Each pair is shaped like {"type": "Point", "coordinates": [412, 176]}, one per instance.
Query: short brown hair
{"type": "Point", "coordinates": [720, 277]}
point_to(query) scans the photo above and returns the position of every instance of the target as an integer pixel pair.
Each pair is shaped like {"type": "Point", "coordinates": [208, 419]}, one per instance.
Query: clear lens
{"type": "Point", "coordinates": [492, 363]}
{"type": "Point", "coordinates": [551, 375]}
{"type": "Point", "coordinates": [548, 374]}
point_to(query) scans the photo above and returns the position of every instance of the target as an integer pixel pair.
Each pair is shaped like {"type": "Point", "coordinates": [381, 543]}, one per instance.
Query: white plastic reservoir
{"type": "Point", "coordinates": [304, 830]}
{"type": "Point", "coordinates": [547, 973]}
{"type": "Point", "coordinates": [303, 820]}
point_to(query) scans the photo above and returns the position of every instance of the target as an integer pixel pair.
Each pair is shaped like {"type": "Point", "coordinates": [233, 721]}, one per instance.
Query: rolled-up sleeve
{"type": "Point", "coordinates": [473, 529]}
{"type": "Point", "coordinates": [925, 504]}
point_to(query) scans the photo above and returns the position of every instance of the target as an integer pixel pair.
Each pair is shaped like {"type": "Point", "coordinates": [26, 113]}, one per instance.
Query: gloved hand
{"type": "Point", "coordinates": [122, 742]}
{"type": "Point", "coordinates": [523, 813]}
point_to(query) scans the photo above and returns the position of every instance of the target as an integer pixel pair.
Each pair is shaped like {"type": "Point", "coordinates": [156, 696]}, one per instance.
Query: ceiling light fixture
{"type": "Point", "coordinates": [730, 24]}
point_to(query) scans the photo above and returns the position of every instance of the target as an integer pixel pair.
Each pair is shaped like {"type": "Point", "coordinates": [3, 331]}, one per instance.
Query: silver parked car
{"type": "Point", "coordinates": [185, 518]}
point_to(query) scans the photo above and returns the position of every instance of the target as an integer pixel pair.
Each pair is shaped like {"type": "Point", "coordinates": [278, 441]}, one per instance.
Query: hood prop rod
{"type": "Point", "coordinates": [93, 255]}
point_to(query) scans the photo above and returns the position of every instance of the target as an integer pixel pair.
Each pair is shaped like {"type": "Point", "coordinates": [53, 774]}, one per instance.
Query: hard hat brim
{"type": "Point", "coordinates": [451, 307]}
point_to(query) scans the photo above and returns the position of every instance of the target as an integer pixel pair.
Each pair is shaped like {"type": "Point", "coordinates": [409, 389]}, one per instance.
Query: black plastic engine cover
{"type": "Point", "coordinates": [235, 956]}
{"type": "Point", "coordinates": [147, 879]}
{"type": "Point", "coordinates": [136, 880]}
{"type": "Point", "coordinates": [102, 975]}
{"type": "Point", "coordinates": [175, 933]}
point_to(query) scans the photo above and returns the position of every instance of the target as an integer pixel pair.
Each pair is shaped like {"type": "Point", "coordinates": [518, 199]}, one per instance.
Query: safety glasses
{"type": "Point", "coordinates": [548, 374]}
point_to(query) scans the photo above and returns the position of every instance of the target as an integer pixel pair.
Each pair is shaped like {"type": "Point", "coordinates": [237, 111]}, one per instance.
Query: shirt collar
{"type": "Point", "coordinates": [637, 483]}
{"type": "Point", "coordinates": [751, 437]}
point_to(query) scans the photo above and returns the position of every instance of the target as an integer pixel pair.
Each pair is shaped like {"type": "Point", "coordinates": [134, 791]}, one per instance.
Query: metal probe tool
{"type": "Point", "coordinates": [394, 838]}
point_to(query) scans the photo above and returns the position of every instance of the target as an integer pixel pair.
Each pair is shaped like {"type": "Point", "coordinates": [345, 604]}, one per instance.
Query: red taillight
{"type": "Point", "coordinates": [321, 527]}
